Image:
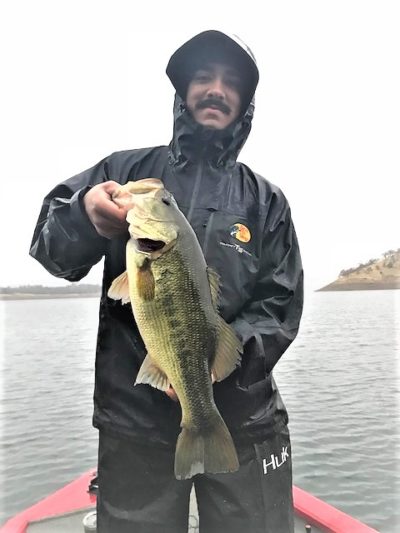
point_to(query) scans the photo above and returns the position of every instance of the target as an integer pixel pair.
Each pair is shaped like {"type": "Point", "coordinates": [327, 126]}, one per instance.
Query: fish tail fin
{"type": "Point", "coordinates": [211, 451]}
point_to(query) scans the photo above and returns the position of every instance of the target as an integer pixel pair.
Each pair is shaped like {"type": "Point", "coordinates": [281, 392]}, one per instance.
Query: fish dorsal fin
{"type": "Point", "coordinates": [119, 289]}
{"type": "Point", "coordinates": [213, 279]}
{"type": "Point", "coordinates": [151, 374]}
{"type": "Point", "coordinates": [228, 351]}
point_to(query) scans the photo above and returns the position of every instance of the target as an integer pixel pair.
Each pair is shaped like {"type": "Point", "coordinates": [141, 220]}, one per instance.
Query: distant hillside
{"type": "Point", "coordinates": [74, 290]}
{"type": "Point", "coordinates": [382, 273]}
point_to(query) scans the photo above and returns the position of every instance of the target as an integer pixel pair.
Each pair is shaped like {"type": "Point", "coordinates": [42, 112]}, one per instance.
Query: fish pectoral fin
{"type": "Point", "coordinates": [151, 374]}
{"type": "Point", "coordinates": [228, 351]}
{"type": "Point", "coordinates": [119, 289]}
{"type": "Point", "coordinates": [145, 282]}
{"type": "Point", "coordinates": [213, 280]}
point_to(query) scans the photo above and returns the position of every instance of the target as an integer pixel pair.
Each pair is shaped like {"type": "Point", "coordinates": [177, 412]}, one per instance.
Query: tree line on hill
{"type": "Point", "coordinates": [389, 259]}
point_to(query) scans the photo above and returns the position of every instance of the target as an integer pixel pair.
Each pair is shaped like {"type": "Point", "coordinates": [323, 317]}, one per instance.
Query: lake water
{"type": "Point", "coordinates": [339, 380]}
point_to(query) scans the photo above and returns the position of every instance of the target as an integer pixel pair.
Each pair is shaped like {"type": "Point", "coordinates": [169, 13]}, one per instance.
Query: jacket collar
{"type": "Point", "coordinates": [192, 142]}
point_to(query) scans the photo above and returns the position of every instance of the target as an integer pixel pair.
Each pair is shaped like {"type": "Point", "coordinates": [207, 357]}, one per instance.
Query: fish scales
{"type": "Point", "coordinates": [178, 307]}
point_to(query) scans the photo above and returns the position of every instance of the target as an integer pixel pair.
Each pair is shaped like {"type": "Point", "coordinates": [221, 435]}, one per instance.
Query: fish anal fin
{"type": "Point", "coordinates": [213, 280]}
{"type": "Point", "coordinates": [150, 374]}
{"type": "Point", "coordinates": [119, 289]}
{"type": "Point", "coordinates": [228, 351]}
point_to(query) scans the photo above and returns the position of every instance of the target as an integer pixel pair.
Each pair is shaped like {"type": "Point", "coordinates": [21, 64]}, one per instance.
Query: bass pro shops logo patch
{"type": "Point", "coordinates": [240, 232]}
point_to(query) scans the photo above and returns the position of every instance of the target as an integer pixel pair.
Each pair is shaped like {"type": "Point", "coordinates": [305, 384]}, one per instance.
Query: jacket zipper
{"type": "Point", "coordinates": [195, 191]}
{"type": "Point", "coordinates": [208, 233]}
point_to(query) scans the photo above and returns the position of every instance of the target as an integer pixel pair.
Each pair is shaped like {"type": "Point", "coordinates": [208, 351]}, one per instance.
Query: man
{"type": "Point", "coordinates": [244, 226]}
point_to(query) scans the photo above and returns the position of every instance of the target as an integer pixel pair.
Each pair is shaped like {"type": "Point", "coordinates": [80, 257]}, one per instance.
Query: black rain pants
{"type": "Point", "coordinates": [138, 492]}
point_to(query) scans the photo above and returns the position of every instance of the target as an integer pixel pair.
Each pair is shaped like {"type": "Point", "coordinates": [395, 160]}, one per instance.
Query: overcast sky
{"type": "Point", "coordinates": [82, 79]}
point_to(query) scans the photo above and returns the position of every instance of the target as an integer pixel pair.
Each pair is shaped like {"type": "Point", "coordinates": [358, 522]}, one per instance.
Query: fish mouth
{"type": "Point", "coordinates": [149, 246]}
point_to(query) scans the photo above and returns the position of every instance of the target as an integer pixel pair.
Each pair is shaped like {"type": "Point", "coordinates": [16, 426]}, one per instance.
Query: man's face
{"type": "Point", "coordinates": [213, 95]}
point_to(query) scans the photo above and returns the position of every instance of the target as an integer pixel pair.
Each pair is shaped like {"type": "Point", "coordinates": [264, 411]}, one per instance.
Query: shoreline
{"type": "Point", "coordinates": [336, 287]}
{"type": "Point", "coordinates": [45, 296]}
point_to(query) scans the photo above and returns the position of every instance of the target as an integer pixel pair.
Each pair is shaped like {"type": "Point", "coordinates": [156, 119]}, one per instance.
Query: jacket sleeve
{"type": "Point", "coordinates": [64, 241]}
{"type": "Point", "coordinates": [269, 322]}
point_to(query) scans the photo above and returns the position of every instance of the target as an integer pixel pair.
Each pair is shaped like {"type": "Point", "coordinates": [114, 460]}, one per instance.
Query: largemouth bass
{"type": "Point", "coordinates": [174, 297]}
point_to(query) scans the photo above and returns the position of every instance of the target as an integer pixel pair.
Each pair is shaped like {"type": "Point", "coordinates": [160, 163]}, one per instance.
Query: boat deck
{"type": "Point", "coordinates": [64, 511]}
{"type": "Point", "coordinates": [72, 523]}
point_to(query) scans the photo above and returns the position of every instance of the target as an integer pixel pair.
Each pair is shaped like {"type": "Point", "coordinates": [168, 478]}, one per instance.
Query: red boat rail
{"type": "Point", "coordinates": [70, 498]}
{"type": "Point", "coordinates": [326, 517]}
{"type": "Point", "coordinates": [75, 497]}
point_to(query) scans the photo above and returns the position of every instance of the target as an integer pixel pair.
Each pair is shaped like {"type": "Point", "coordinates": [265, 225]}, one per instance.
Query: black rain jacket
{"type": "Point", "coordinates": [261, 279]}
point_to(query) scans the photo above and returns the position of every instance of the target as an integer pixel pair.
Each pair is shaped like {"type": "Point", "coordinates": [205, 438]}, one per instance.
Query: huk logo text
{"type": "Point", "coordinates": [276, 461]}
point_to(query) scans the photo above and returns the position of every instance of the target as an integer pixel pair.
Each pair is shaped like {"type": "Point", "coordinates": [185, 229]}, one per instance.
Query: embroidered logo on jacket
{"type": "Point", "coordinates": [240, 232]}
{"type": "Point", "coordinates": [235, 247]}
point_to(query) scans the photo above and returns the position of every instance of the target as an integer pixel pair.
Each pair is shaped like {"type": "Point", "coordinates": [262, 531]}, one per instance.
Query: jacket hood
{"type": "Point", "coordinates": [192, 141]}
{"type": "Point", "coordinates": [217, 46]}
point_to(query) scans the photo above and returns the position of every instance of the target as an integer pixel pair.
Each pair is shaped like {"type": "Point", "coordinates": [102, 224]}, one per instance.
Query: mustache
{"type": "Point", "coordinates": [208, 102]}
